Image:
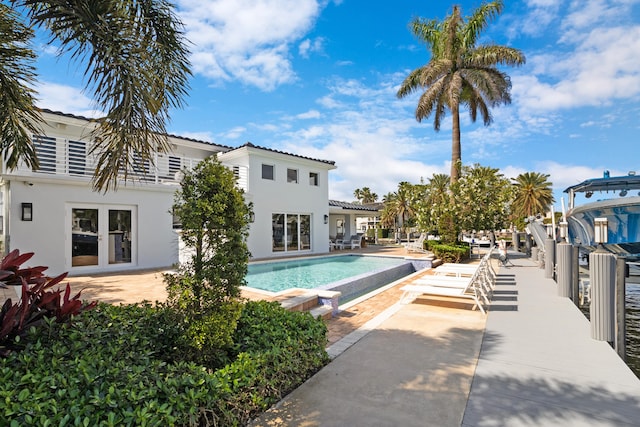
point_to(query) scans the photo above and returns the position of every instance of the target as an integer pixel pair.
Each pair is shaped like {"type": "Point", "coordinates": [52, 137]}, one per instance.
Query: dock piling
{"type": "Point", "coordinates": [602, 277]}
{"type": "Point", "coordinates": [550, 258]}
{"type": "Point", "coordinates": [565, 270]}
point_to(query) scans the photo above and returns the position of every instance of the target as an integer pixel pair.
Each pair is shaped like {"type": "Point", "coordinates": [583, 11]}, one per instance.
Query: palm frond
{"type": "Point", "coordinates": [136, 66]}
{"type": "Point", "coordinates": [19, 116]}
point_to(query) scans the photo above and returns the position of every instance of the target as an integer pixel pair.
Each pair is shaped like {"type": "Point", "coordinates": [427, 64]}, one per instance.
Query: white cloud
{"type": "Point", "coordinates": [603, 68]}
{"type": "Point", "coordinates": [308, 46]}
{"type": "Point", "coordinates": [311, 114]}
{"type": "Point", "coordinates": [200, 136]}
{"type": "Point", "coordinates": [247, 40]}
{"type": "Point", "coordinates": [66, 99]}
{"type": "Point", "coordinates": [236, 132]}
{"type": "Point", "coordinates": [371, 139]}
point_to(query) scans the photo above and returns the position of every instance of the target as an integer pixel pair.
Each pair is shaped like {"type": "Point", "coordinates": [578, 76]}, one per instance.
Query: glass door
{"type": "Point", "coordinates": [84, 237]}
{"type": "Point", "coordinates": [102, 235]}
{"type": "Point", "coordinates": [119, 236]}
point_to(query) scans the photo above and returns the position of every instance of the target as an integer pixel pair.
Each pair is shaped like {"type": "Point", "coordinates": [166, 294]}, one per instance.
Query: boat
{"type": "Point", "coordinates": [617, 200]}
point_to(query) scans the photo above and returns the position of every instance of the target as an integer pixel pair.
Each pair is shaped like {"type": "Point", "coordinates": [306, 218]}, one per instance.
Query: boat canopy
{"type": "Point", "coordinates": [607, 183]}
{"type": "Point", "coordinates": [627, 182]}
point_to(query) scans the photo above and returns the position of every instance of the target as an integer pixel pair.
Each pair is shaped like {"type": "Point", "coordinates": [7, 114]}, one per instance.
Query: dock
{"type": "Point", "coordinates": [539, 366]}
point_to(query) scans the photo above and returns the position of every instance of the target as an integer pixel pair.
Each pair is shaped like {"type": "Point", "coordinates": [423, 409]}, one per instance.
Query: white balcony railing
{"type": "Point", "coordinates": [58, 156]}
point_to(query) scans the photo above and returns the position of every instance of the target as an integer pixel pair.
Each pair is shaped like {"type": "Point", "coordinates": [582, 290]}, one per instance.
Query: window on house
{"type": "Point", "coordinates": [278, 233]}
{"type": "Point", "coordinates": [77, 157]}
{"type": "Point", "coordinates": [292, 175]}
{"type": "Point", "coordinates": [46, 151]}
{"type": "Point", "coordinates": [291, 232]}
{"type": "Point", "coordinates": [141, 166]}
{"type": "Point", "coordinates": [313, 179]}
{"type": "Point", "coordinates": [174, 166]}
{"type": "Point", "coordinates": [267, 171]}
{"type": "Point", "coordinates": [175, 220]}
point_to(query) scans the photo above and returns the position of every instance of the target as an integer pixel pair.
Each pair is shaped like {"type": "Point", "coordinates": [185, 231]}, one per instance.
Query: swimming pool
{"type": "Point", "coordinates": [352, 275]}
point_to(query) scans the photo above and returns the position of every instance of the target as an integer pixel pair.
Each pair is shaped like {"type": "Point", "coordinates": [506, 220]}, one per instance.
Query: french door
{"type": "Point", "coordinates": [100, 236]}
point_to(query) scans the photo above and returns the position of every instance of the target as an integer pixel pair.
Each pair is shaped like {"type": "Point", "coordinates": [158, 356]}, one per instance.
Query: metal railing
{"type": "Point", "coordinates": [59, 156]}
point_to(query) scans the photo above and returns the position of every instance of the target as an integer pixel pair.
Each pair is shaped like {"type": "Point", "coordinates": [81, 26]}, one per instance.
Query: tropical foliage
{"type": "Point", "coordinates": [365, 195]}
{"type": "Point", "coordinates": [135, 63]}
{"type": "Point", "coordinates": [484, 198]}
{"type": "Point", "coordinates": [400, 207]}
{"type": "Point", "coordinates": [460, 72]}
{"type": "Point", "coordinates": [123, 366]}
{"type": "Point", "coordinates": [479, 200]}
{"type": "Point", "coordinates": [533, 195]}
{"type": "Point", "coordinates": [41, 298]}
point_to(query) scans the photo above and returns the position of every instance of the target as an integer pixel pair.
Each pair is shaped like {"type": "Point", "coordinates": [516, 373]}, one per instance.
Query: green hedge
{"type": "Point", "coordinates": [449, 253]}
{"type": "Point", "coordinates": [119, 365]}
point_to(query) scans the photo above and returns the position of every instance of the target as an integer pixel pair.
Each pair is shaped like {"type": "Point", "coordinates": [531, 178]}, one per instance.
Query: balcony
{"type": "Point", "coordinates": [63, 157]}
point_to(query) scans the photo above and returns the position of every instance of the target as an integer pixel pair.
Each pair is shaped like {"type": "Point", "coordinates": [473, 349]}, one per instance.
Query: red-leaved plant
{"type": "Point", "coordinates": [38, 299]}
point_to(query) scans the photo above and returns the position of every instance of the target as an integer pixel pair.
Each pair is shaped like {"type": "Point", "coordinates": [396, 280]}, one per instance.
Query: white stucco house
{"type": "Point", "coordinates": [55, 213]}
{"type": "Point", "coordinates": [290, 196]}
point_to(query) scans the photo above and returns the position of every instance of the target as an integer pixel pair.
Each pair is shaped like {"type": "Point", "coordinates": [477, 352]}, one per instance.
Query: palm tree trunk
{"type": "Point", "coordinates": [456, 149]}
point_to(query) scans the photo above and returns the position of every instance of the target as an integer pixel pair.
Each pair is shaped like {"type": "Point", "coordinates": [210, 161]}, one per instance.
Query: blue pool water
{"type": "Point", "coordinates": [310, 273]}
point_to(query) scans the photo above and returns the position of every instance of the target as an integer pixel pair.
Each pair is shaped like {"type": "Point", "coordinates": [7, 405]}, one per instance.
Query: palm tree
{"type": "Point", "coordinates": [364, 195]}
{"type": "Point", "coordinates": [135, 63]}
{"type": "Point", "coordinates": [534, 194]}
{"type": "Point", "coordinates": [460, 72]}
{"type": "Point", "coordinates": [401, 205]}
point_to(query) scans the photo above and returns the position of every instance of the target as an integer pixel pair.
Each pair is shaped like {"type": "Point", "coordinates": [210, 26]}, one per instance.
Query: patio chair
{"type": "Point", "coordinates": [417, 245]}
{"type": "Point", "coordinates": [355, 242]}
{"type": "Point", "coordinates": [443, 286]}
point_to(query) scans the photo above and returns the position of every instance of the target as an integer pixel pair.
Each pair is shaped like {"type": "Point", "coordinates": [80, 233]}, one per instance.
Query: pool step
{"type": "Point", "coordinates": [324, 311]}
{"type": "Point", "coordinates": [323, 303]}
{"type": "Point", "coordinates": [304, 302]}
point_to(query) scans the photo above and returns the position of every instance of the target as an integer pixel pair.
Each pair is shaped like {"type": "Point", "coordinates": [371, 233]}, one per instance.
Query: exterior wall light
{"type": "Point", "coordinates": [252, 217]}
{"type": "Point", "coordinates": [326, 219]}
{"type": "Point", "coordinates": [27, 212]}
{"type": "Point", "coordinates": [601, 229]}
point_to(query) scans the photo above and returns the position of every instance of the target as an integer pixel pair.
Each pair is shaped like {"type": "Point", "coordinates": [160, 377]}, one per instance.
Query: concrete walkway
{"type": "Point", "coordinates": [416, 366]}
{"type": "Point", "coordinates": [411, 366]}
{"type": "Point", "coordinates": [539, 366]}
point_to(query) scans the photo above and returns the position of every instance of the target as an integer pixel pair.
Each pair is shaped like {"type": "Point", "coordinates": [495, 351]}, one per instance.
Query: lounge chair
{"type": "Point", "coordinates": [487, 275]}
{"type": "Point", "coordinates": [355, 242]}
{"type": "Point", "coordinates": [417, 245]}
{"type": "Point", "coordinates": [443, 286]}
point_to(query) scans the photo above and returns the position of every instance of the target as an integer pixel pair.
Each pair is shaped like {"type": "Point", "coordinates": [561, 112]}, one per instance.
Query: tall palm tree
{"type": "Point", "coordinates": [135, 63]}
{"type": "Point", "coordinates": [460, 72]}
{"type": "Point", "coordinates": [534, 194]}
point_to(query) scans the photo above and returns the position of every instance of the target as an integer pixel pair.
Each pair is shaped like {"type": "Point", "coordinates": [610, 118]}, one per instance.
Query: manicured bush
{"type": "Point", "coordinates": [449, 253]}
{"type": "Point", "coordinates": [121, 365]}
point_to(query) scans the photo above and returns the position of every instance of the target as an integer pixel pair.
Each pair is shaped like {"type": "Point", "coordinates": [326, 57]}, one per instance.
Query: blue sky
{"type": "Point", "coordinates": [318, 78]}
